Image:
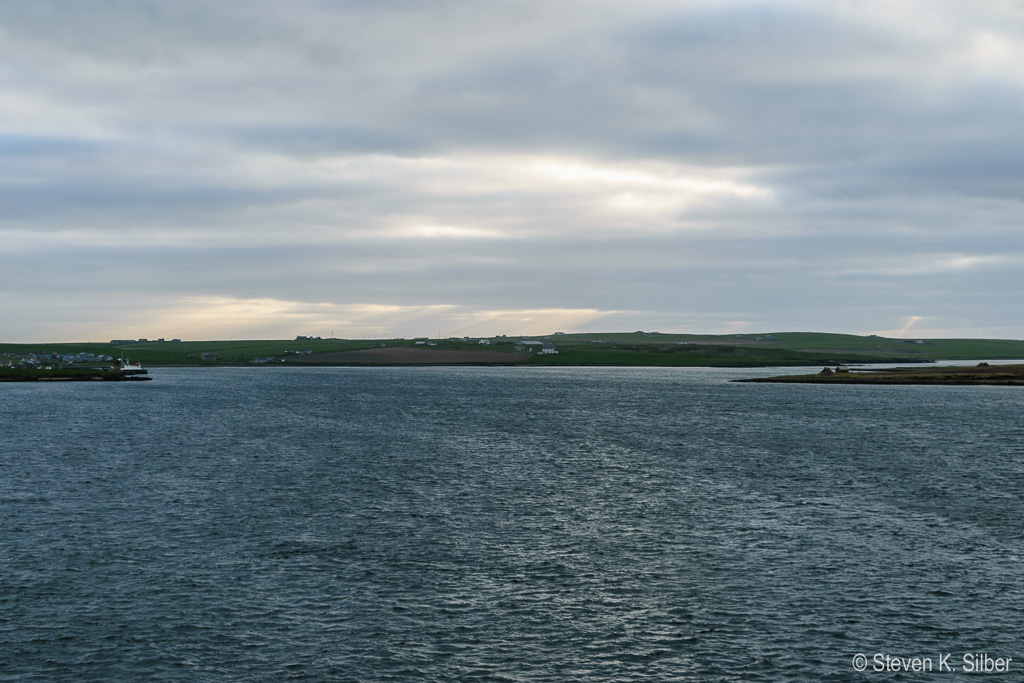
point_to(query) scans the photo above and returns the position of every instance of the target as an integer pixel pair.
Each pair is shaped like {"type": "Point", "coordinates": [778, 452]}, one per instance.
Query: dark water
{"type": "Point", "coordinates": [505, 524]}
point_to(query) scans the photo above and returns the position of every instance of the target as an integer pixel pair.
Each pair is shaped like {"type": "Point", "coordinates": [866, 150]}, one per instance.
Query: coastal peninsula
{"type": "Point", "coordinates": [67, 375]}
{"type": "Point", "coordinates": [1001, 375]}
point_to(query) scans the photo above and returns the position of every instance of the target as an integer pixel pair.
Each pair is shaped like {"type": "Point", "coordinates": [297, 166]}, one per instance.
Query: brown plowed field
{"type": "Point", "coordinates": [405, 356]}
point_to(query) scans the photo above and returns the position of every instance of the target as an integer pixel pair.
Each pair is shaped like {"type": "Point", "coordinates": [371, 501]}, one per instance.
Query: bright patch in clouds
{"type": "Point", "coordinates": [530, 321]}
{"type": "Point", "coordinates": [452, 232]}
{"type": "Point", "coordinates": [680, 181]}
{"type": "Point", "coordinates": [226, 317]}
{"type": "Point", "coordinates": [233, 317]}
{"type": "Point", "coordinates": [937, 264]}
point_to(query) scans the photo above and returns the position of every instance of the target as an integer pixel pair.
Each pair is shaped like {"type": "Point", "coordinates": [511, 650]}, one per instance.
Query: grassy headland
{"type": "Point", "coordinates": [1002, 375]}
{"type": "Point", "coordinates": [66, 375]}
{"type": "Point", "coordinates": [599, 349]}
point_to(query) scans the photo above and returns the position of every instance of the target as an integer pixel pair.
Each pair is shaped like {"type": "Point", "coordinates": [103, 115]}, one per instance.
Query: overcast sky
{"type": "Point", "coordinates": [382, 168]}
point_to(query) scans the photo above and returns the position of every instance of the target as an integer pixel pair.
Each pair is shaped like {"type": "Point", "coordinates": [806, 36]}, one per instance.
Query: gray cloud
{"type": "Point", "coordinates": [845, 166]}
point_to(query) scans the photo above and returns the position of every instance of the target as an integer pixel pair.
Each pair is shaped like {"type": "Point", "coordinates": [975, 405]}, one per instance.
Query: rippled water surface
{"type": "Point", "coordinates": [512, 524]}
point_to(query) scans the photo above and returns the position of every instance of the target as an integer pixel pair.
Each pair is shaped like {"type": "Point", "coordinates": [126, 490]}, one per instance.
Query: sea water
{"type": "Point", "coordinates": [506, 524]}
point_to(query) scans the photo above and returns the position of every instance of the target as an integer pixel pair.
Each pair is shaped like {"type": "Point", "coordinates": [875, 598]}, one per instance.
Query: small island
{"type": "Point", "coordinates": [981, 374]}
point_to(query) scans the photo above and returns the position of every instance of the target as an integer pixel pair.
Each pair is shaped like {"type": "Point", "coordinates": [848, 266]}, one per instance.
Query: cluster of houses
{"type": "Point", "coordinates": [546, 348]}
{"type": "Point", "coordinates": [263, 360]}
{"type": "Point", "coordinates": [42, 359]}
{"type": "Point", "coordinates": [424, 341]}
{"type": "Point", "coordinates": [523, 345]}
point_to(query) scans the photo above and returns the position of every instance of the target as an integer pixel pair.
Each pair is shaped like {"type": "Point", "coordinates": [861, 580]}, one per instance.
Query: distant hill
{"type": "Point", "coordinates": [611, 348]}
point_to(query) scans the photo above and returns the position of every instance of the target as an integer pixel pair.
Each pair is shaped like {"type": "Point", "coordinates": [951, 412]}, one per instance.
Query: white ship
{"type": "Point", "coordinates": [133, 369]}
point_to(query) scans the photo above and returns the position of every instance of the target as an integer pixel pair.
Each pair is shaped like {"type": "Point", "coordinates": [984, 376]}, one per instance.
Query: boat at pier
{"type": "Point", "coordinates": [133, 369]}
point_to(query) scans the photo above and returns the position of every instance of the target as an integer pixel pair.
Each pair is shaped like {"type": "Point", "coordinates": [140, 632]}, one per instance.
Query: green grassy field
{"type": "Point", "coordinates": [634, 348]}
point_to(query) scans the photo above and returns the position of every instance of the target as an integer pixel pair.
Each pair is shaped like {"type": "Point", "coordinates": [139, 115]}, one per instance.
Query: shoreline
{"type": "Point", "coordinates": [979, 375]}
{"type": "Point", "coordinates": [72, 376]}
